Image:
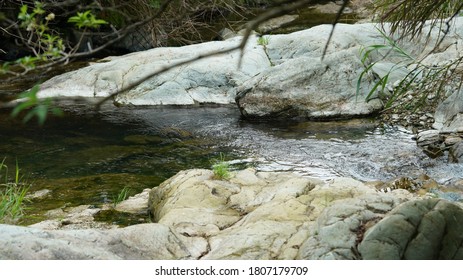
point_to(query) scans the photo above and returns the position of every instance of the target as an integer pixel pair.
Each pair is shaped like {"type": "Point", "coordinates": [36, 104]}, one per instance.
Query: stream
{"type": "Point", "coordinates": [88, 156]}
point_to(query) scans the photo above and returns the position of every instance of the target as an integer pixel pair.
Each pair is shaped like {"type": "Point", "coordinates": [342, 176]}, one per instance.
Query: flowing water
{"type": "Point", "coordinates": [87, 156]}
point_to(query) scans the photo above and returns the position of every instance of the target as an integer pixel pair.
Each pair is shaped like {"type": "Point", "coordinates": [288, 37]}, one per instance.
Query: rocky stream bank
{"type": "Point", "coordinates": [256, 214]}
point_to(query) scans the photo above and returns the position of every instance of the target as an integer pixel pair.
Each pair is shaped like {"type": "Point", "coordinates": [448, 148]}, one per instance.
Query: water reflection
{"type": "Point", "coordinates": [88, 156]}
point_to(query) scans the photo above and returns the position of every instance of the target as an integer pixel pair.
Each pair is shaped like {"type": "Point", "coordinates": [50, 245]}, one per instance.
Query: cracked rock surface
{"type": "Point", "coordinates": [269, 215]}
{"type": "Point", "coordinates": [422, 229]}
{"type": "Point", "coordinates": [260, 215]}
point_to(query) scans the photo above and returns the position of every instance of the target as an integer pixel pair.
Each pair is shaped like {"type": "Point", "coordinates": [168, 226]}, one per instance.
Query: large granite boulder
{"type": "Point", "coordinates": [307, 87]}
{"type": "Point", "coordinates": [268, 215]}
{"type": "Point", "coordinates": [417, 230]}
{"type": "Point", "coordinates": [340, 226]}
{"type": "Point", "coordinates": [303, 84]}
{"type": "Point", "coordinates": [207, 80]}
{"type": "Point", "coordinates": [284, 76]}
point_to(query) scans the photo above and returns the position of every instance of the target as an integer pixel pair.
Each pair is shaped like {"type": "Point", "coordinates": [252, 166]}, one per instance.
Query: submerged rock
{"type": "Point", "coordinates": [275, 23]}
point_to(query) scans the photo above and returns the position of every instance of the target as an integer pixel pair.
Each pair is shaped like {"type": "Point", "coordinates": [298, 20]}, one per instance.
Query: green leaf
{"type": "Point", "coordinates": [38, 8]}
{"type": "Point", "coordinates": [31, 99]}
{"type": "Point", "coordinates": [27, 61]}
{"type": "Point", "coordinates": [41, 112]}
{"type": "Point", "coordinates": [86, 19]}
{"type": "Point", "coordinates": [23, 15]}
{"type": "Point", "coordinates": [37, 107]}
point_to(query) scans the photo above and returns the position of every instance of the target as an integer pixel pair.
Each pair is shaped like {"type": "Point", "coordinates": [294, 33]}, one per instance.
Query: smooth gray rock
{"type": "Point", "coordinates": [144, 241]}
{"type": "Point", "coordinates": [135, 204]}
{"type": "Point", "coordinates": [268, 215]}
{"type": "Point", "coordinates": [300, 84]}
{"type": "Point", "coordinates": [208, 80]}
{"type": "Point", "coordinates": [449, 114]}
{"type": "Point", "coordinates": [417, 230]}
{"type": "Point", "coordinates": [252, 215]}
{"type": "Point", "coordinates": [275, 23]}
{"type": "Point", "coordinates": [456, 153]}
{"type": "Point", "coordinates": [428, 137]}
{"type": "Point", "coordinates": [307, 87]}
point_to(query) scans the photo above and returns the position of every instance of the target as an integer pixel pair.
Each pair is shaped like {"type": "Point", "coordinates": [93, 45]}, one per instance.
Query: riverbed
{"type": "Point", "coordinates": [88, 156]}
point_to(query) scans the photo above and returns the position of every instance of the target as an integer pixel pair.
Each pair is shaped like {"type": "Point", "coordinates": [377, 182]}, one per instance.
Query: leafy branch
{"type": "Point", "coordinates": [418, 78]}
{"type": "Point", "coordinates": [86, 20]}
{"type": "Point", "coordinates": [35, 106]}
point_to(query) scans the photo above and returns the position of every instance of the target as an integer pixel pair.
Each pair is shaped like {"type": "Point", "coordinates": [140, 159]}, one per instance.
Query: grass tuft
{"type": "Point", "coordinates": [221, 168]}
{"type": "Point", "coordinates": [123, 194]}
{"type": "Point", "coordinates": [12, 196]}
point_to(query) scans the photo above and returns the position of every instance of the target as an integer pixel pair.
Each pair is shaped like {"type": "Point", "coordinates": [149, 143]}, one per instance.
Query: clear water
{"type": "Point", "coordinates": [87, 157]}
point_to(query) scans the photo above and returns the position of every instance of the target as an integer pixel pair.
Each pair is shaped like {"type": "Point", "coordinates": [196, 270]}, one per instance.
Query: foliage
{"type": "Point", "coordinates": [12, 196]}
{"type": "Point", "coordinates": [221, 168]}
{"type": "Point", "coordinates": [410, 16]}
{"type": "Point", "coordinates": [263, 40]}
{"type": "Point", "coordinates": [35, 106]}
{"type": "Point", "coordinates": [366, 57]}
{"type": "Point", "coordinates": [47, 44]}
{"type": "Point", "coordinates": [44, 39]}
{"type": "Point", "coordinates": [39, 27]}
{"type": "Point", "coordinates": [47, 47]}
{"type": "Point", "coordinates": [123, 194]}
{"type": "Point", "coordinates": [86, 19]}
{"type": "Point", "coordinates": [422, 80]}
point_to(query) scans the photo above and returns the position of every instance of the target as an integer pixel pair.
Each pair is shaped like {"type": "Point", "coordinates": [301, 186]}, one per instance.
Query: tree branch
{"type": "Point", "coordinates": [269, 14]}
